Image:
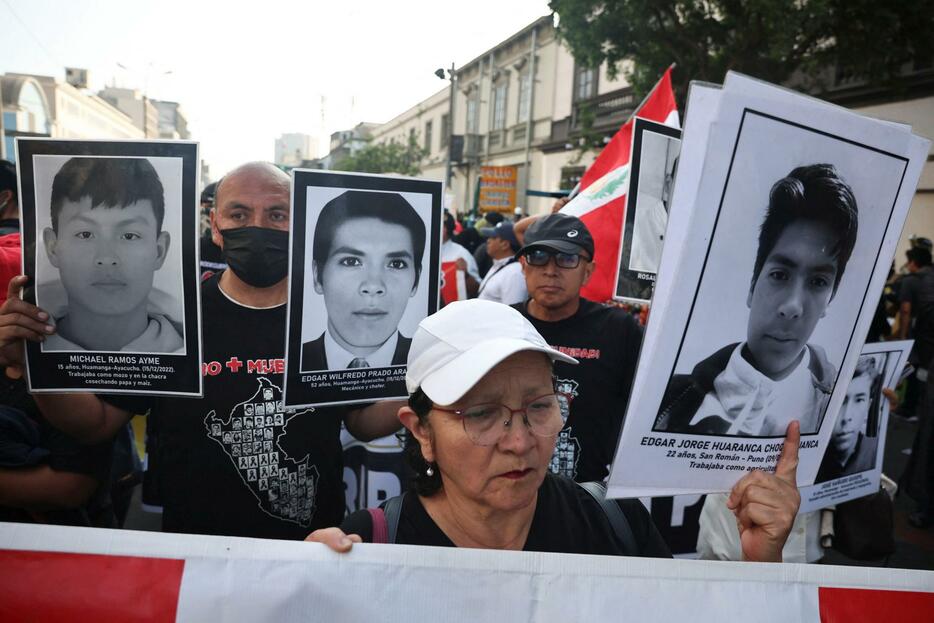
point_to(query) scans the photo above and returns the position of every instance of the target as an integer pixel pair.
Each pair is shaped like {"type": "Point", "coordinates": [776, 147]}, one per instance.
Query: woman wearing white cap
{"type": "Point", "coordinates": [482, 420]}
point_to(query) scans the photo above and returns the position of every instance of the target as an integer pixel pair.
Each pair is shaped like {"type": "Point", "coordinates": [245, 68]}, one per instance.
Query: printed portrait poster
{"type": "Point", "coordinates": [364, 271]}
{"type": "Point", "coordinates": [852, 463]}
{"type": "Point", "coordinates": [655, 149]}
{"type": "Point", "coordinates": [110, 246]}
{"type": "Point", "coordinates": [790, 235]}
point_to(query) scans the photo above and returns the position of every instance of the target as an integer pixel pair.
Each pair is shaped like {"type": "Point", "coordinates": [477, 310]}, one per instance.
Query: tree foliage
{"type": "Point", "coordinates": [774, 40]}
{"type": "Point", "coordinates": [391, 157]}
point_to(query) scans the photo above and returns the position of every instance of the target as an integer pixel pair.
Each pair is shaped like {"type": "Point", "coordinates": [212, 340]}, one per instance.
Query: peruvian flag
{"type": "Point", "coordinates": [602, 201]}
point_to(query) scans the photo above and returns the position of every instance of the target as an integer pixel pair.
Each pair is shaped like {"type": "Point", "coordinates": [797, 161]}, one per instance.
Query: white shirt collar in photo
{"type": "Point", "coordinates": [338, 357]}
{"type": "Point", "coordinates": [744, 397]}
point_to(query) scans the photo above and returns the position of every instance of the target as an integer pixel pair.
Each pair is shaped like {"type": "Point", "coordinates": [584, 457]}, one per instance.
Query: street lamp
{"type": "Point", "coordinates": [447, 161]}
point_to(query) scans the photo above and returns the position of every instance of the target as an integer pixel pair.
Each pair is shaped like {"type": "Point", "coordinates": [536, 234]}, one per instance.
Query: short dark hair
{"type": "Point", "coordinates": [390, 208]}
{"type": "Point", "coordinates": [919, 255]}
{"type": "Point", "coordinates": [493, 218]}
{"type": "Point", "coordinates": [449, 223]}
{"type": "Point", "coordinates": [813, 193]}
{"type": "Point", "coordinates": [8, 177]}
{"type": "Point", "coordinates": [111, 182]}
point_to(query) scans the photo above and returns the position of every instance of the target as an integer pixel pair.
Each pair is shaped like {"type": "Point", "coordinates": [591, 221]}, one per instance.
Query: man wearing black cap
{"type": "Point", "coordinates": [504, 282]}
{"type": "Point", "coordinates": [557, 261]}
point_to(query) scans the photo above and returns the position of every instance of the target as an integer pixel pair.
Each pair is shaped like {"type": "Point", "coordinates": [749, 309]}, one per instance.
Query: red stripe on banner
{"type": "Point", "coordinates": [55, 586]}
{"type": "Point", "coordinates": [851, 604]}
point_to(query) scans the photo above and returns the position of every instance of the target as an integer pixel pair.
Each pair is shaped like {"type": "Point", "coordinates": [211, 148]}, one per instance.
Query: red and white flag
{"type": "Point", "coordinates": [453, 283]}
{"type": "Point", "coordinates": [601, 203]}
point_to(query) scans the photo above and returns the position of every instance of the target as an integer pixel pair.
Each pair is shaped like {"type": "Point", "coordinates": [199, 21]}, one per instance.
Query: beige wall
{"type": "Point", "coordinates": [919, 113]}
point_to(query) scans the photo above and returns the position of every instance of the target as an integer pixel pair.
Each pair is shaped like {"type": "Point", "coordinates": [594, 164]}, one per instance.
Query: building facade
{"type": "Point", "coordinates": [524, 107]}
{"type": "Point", "coordinates": [293, 148]}
{"type": "Point", "coordinates": [525, 104]}
{"type": "Point", "coordinates": [36, 105]}
{"type": "Point", "coordinates": [173, 123]}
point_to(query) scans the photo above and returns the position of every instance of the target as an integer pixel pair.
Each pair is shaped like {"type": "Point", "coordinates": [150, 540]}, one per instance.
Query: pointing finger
{"type": "Point", "coordinates": [787, 467]}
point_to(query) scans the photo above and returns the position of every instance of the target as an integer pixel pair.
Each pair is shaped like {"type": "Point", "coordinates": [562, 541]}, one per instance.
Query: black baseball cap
{"type": "Point", "coordinates": [560, 232]}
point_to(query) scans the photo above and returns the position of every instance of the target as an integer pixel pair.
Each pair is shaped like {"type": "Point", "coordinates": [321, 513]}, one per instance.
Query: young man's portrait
{"type": "Point", "coordinates": [106, 239]}
{"type": "Point", "coordinates": [853, 445]}
{"type": "Point", "coordinates": [757, 386]}
{"type": "Point", "coordinates": [366, 263]}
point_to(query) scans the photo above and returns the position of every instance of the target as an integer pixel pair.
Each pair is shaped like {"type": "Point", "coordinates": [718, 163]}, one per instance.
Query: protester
{"type": "Point", "coordinates": [504, 283]}
{"type": "Point", "coordinates": [480, 254]}
{"type": "Point", "coordinates": [228, 465]}
{"type": "Point", "coordinates": [46, 476]}
{"type": "Point", "coordinates": [557, 261]}
{"type": "Point", "coordinates": [453, 252]}
{"type": "Point", "coordinates": [212, 258]}
{"type": "Point", "coordinates": [483, 476]}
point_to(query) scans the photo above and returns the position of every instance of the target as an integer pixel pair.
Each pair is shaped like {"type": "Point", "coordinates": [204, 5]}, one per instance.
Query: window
{"type": "Point", "coordinates": [445, 130]}
{"type": "Point", "coordinates": [499, 106]}
{"type": "Point", "coordinates": [525, 94]}
{"type": "Point", "coordinates": [428, 136]}
{"type": "Point", "coordinates": [585, 83]}
{"type": "Point", "coordinates": [473, 109]}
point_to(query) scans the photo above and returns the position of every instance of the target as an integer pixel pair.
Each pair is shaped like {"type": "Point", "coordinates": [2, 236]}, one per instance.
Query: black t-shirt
{"type": "Point", "coordinates": [235, 462]}
{"type": "Point", "coordinates": [566, 520]}
{"type": "Point", "coordinates": [605, 340]}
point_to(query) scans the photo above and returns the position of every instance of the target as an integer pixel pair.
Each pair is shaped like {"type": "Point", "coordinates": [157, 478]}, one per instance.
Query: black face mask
{"type": "Point", "coordinates": [258, 255]}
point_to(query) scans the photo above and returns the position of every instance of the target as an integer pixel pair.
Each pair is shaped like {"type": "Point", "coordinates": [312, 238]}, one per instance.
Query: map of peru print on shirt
{"type": "Point", "coordinates": [285, 487]}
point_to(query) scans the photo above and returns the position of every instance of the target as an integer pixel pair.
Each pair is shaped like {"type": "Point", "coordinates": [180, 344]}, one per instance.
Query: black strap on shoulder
{"type": "Point", "coordinates": [392, 509]}
{"type": "Point", "coordinates": [614, 514]}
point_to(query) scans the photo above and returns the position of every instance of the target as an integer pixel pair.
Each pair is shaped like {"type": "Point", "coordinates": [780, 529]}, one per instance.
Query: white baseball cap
{"type": "Point", "coordinates": [453, 348]}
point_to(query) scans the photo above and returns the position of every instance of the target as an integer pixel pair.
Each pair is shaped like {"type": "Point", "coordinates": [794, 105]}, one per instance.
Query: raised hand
{"type": "Point", "coordinates": [765, 505]}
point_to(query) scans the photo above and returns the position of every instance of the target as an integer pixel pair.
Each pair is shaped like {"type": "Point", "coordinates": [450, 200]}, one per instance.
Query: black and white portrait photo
{"type": "Point", "coordinates": [796, 241]}
{"type": "Point", "coordinates": [110, 237]}
{"type": "Point", "coordinates": [851, 466]}
{"type": "Point", "coordinates": [655, 149]}
{"type": "Point", "coordinates": [366, 281]}
{"type": "Point", "coordinates": [854, 442]}
{"type": "Point", "coordinates": [104, 240]}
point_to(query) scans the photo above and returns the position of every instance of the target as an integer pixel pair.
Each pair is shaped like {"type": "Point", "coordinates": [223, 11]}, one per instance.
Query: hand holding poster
{"type": "Point", "coordinates": [110, 248]}
{"type": "Point", "coordinates": [363, 272]}
{"type": "Point", "coordinates": [798, 208]}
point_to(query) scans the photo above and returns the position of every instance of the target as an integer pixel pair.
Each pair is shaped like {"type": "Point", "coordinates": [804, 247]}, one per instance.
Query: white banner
{"type": "Point", "coordinates": [107, 575]}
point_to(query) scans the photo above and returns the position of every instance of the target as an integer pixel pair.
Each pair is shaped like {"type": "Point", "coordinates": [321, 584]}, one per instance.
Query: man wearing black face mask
{"type": "Point", "coordinates": [235, 462]}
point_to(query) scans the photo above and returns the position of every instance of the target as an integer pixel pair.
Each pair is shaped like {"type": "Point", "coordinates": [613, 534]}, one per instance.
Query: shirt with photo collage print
{"type": "Point", "coordinates": [236, 462]}
{"type": "Point", "coordinates": [594, 393]}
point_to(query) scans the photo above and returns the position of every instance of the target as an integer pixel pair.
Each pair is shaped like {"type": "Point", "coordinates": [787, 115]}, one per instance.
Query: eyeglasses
{"type": "Point", "coordinates": [486, 423]}
{"type": "Point", "coordinates": [540, 257]}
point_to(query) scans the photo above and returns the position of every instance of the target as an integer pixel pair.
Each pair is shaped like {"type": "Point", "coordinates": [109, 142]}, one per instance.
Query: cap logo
{"type": "Point", "coordinates": [572, 233]}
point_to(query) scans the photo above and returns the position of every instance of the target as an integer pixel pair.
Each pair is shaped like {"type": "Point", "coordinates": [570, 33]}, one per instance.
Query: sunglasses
{"type": "Point", "coordinates": [541, 257]}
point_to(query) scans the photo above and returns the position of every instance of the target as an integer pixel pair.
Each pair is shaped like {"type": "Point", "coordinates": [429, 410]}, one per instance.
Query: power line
{"type": "Point", "coordinates": [31, 34]}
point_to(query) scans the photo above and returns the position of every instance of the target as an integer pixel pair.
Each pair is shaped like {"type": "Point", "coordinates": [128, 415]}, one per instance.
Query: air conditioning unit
{"type": "Point", "coordinates": [76, 77]}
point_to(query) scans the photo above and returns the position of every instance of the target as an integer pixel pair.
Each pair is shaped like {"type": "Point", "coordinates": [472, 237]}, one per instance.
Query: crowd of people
{"type": "Point", "coordinates": [529, 345]}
